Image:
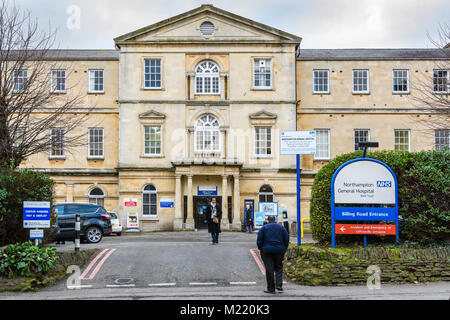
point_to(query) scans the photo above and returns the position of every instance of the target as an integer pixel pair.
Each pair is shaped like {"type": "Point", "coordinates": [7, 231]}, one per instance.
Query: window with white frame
{"type": "Point", "coordinates": [263, 141]}
{"type": "Point", "coordinates": [207, 134]}
{"type": "Point", "coordinates": [97, 196]}
{"type": "Point", "coordinates": [149, 200]}
{"type": "Point", "coordinates": [96, 80]}
{"type": "Point", "coordinates": [57, 137]}
{"type": "Point", "coordinates": [152, 74]}
{"type": "Point", "coordinates": [441, 83]}
{"type": "Point", "coordinates": [152, 140]}
{"type": "Point", "coordinates": [400, 80]}
{"type": "Point", "coordinates": [442, 138]}
{"type": "Point", "coordinates": [207, 78]}
{"type": "Point", "coordinates": [262, 73]}
{"type": "Point", "coordinates": [321, 81]}
{"type": "Point", "coordinates": [58, 81]}
{"type": "Point", "coordinates": [95, 143]}
{"type": "Point", "coordinates": [265, 193]}
{"type": "Point", "coordinates": [401, 140]}
{"type": "Point", "coordinates": [360, 81]}
{"type": "Point", "coordinates": [19, 137]}
{"type": "Point", "coordinates": [20, 80]}
{"type": "Point", "coordinates": [361, 135]}
{"type": "Point", "coordinates": [322, 144]}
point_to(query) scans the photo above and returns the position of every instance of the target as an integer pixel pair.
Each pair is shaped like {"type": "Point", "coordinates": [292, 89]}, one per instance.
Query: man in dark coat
{"type": "Point", "coordinates": [272, 241]}
{"type": "Point", "coordinates": [213, 210]}
{"type": "Point", "coordinates": [248, 214]}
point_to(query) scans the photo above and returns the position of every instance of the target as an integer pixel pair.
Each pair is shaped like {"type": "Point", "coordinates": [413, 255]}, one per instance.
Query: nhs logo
{"type": "Point", "coordinates": [384, 184]}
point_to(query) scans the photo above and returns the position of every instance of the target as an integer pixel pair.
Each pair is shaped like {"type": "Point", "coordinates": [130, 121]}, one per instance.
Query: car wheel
{"type": "Point", "coordinates": [119, 233]}
{"type": "Point", "coordinates": [93, 235]}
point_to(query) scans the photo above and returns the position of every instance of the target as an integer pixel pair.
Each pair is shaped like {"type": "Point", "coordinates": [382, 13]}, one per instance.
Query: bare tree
{"type": "Point", "coordinates": [29, 107]}
{"type": "Point", "coordinates": [433, 88]}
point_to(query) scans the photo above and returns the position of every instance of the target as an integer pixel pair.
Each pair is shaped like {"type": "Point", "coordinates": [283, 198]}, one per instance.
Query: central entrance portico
{"type": "Point", "coordinates": [192, 178]}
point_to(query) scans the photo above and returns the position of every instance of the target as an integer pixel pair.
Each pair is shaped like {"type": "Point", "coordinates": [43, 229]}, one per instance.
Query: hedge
{"type": "Point", "coordinates": [17, 186]}
{"type": "Point", "coordinates": [424, 193]}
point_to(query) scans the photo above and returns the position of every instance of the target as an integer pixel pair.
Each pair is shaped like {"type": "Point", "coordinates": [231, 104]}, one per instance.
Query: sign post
{"type": "Point", "coordinates": [36, 215]}
{"type": "Point", "coordinates": [298, 142]}
{"type": "Point", "coordinates": [371, 184]}
{"type": "Point", "coordinates": [130, 205]}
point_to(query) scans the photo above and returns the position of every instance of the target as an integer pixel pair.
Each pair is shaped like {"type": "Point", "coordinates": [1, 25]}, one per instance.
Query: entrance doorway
{"type": "Point", "coordinates": [200, 204]}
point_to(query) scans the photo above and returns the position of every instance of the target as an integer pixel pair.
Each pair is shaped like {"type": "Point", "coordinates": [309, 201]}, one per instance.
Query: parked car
{"type": "Point", "coordinates": [116, 224]}
{"type": "Point", "coordinates": [95, 222]}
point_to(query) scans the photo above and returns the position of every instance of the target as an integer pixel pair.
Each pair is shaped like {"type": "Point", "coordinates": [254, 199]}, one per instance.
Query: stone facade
{"type": "Point", "coordinates": [130, 108]}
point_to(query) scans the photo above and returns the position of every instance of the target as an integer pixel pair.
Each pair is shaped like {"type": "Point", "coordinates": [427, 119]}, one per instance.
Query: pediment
{"type": "Point", "coordinates": [263, 115]}
{"type": "Point", "coordinates": [227, 27]}
{"type": "Point", "coordinates": [153, 115]}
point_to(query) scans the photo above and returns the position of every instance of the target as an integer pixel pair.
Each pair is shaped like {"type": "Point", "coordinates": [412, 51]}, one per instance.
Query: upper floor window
{"type": "Point", "coordinates": [152, 140]}
{"type": "Point", "coordinates": [20, 80]}
{"type": "Point", "coordinates": [321, 81]}
{"type": "Point", "coordinates": [360, 81]}
{"type": "Point", "coordinates": [263, 141]}
{"type": "Point", "coordinates": [401, 140]}
{"type": "Point", "coordinates": [400, 80]}
{"type": "Point", "coordinates": [95, 143]}
{"type": "Point", "coordinates": [263, 74]}
{"type": "Point", "coordinates": [207, 134]}
{"type": "Point", "coordinates": [58, 81]}
{"type": "Point", "coordinates": [361, 135]}
{"type": "Point", "coordinates": [442, 138]}
{"type": "Point", "coordinates": [57, 137]}
{"type": "Point", "coordinates": [152, 74]}
{"type": "Point", "coordinates": [441, 83]}
{"type": "Point", "coordinates": [96, 81]}
{"type": "Point", "coordinates": [207, 79]}
{"type": "Point", "coordinates": [322, 144]}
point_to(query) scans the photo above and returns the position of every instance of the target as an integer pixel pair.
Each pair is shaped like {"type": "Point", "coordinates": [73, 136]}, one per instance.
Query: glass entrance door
{"type": "Point", "coordinates": [200, 205]}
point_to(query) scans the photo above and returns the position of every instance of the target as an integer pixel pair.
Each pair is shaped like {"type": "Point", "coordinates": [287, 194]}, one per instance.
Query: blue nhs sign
{"type": "Point", "coordinates": [384, 184]}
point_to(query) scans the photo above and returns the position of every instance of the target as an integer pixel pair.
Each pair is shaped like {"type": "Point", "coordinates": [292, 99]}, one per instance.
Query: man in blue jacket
{"type": "Point", "coordinates": [272, 241]}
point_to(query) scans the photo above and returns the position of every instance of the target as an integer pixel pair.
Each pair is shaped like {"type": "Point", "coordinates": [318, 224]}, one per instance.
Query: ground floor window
{"type": "Point", "coordinates": [266, 193]}
{"type": "Point", "coordinates": [97, 196]}
{"type": "Point", "coordinates": [401, 140]}
{"type": "Point", "coordinates": [361, 135]}
{"type": "Point", "coordinates": [441, 138]}
{"type": "Point", "coordinates": [149, 201]}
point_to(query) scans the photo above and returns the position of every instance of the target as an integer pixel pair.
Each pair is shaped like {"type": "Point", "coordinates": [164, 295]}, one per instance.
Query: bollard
{"type": "Point", "coordinates": [77, 231]}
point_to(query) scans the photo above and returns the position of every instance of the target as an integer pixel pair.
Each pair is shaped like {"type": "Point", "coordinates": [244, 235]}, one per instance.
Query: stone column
{"type": "Point", "coordinates": [190, 224]}
{"type": "Point", "coordinates": [225, 224]}
{"type": "Point", "coordinates": [236, 204]}
{"type": "Point", "coordinates": [178, 221]}
{"type": "Point", "coordinates": [69, 192]}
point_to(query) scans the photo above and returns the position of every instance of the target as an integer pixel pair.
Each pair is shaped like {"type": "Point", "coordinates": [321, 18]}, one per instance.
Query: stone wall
{"type": "Point", "coordinates": [308, 265]}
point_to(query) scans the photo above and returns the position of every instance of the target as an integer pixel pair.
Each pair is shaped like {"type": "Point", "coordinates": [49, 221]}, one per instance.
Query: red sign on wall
{"type": "Point", "coordinates": [368, 229]}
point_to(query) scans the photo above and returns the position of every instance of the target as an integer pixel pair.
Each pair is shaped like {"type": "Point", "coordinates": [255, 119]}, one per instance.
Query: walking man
{"type": "Point", "coordinates": [248, 214]}
{"type": "Point", "coordinates": [213, 218]}
{"type": "Point", "coordinates": [272, 242]}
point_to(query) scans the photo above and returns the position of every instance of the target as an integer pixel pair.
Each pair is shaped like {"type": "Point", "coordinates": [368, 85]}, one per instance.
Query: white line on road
{"type": "Point", "coordinates": [119, 285]}
{"type": "Point", "coordinates": [242, 283]}
{"type": "Point", "coordinates": [79, 287]}
{"type": "Point", "coordinates": [202, 283]}
{"type": "Point", "coordinates": [171, 284]}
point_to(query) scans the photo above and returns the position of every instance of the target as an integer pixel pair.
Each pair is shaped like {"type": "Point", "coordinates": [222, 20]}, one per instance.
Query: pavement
{"type": "Point", "coordinates": [186, 266]}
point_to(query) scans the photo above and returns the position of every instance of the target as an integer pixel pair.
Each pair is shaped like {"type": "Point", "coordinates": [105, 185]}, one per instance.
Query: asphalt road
{"type": "Point", "coordinates": [185, 265]}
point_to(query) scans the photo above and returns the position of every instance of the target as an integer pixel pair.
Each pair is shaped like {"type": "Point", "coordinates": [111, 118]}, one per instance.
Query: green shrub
{"type": "Point", "coordinates": [25, 258]}
{"type": "Point", "coordinates": [424, 182]}
{"type": "Point", "coordinates": [17, 186]}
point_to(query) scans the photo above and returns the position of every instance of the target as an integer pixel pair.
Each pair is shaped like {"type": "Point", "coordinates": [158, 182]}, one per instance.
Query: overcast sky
{"type": "Point", "coordinates": [321, 23]}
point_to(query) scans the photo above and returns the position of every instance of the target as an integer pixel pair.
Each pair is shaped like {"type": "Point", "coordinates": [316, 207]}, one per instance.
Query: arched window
{"type": "Point", "coordinates": [97, 196]}
{"type": "Point", "coordinates": [207, 79]}
{"type": "Point", "coordinates": [207, 134]}
{"type": "Point", "coordinates": [149, 200]}
{"type": "Point", "coordinates": [266, 193]}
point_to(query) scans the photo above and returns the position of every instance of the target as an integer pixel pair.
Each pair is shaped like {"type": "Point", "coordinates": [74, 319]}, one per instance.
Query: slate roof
{"type": "Point", "coordinates": [373, 54]}
{"type": "Point", "coordinates": [74, 54]}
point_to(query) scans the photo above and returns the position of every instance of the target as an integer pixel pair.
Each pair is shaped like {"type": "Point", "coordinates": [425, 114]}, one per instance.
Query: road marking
{"type": "Point", "coordinates": [202, 283]}
{"type": "Point", "coordinates": [83, 275]}
{"type": "Point", "coordinates": [258, 262]}
{"type": "Point", "coordinates": [162, 284]}
{"type": "Point", "coordinates": [79, 287]}
{"type": "Point", "coordinates": [100, 264]}
{"type": "Point", "coordinates": [119, 285]}
{"type": "Point", "coordinates": [242, 283]}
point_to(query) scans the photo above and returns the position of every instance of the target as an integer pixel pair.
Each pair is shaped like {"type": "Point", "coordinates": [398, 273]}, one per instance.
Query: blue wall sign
{"type": "Point", "coordinates": [207, 191]}
{"type": "Point", "coordinates": [166, 203]}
